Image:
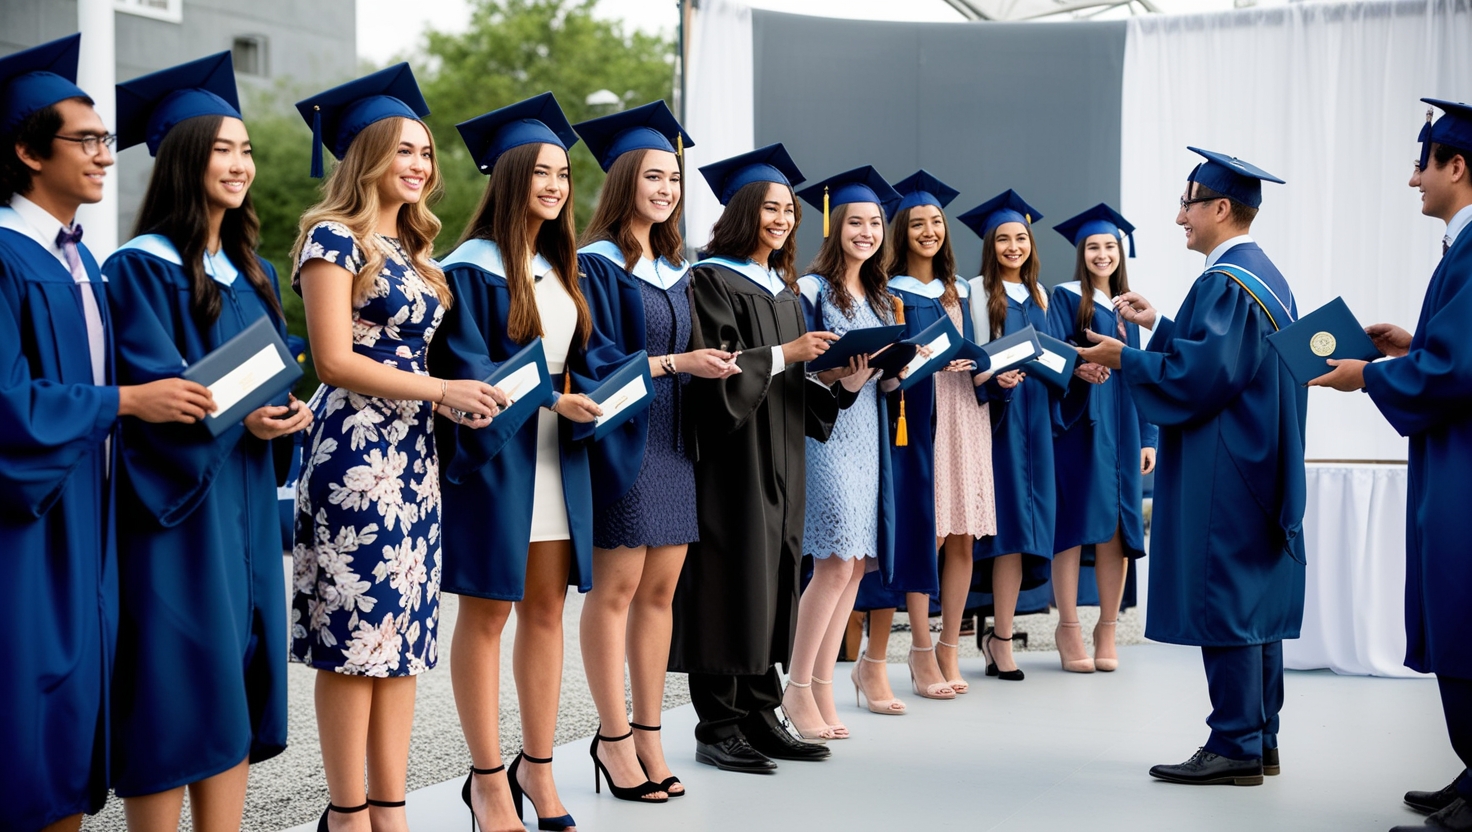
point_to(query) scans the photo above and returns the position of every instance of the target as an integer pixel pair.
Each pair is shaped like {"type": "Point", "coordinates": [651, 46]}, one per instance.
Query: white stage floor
{"type": "Point", "coordinates": [1054, 752]}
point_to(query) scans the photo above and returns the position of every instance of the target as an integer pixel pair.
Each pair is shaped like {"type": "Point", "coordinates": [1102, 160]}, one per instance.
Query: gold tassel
{"type": "Point", "coordinates": [901, 427]}
{"type": "Point", "coordinates": [825, 212]}
{"type": "Point", "coordinates": [680, 145]}
{"type": "Point", "coordinates": [566, 383]}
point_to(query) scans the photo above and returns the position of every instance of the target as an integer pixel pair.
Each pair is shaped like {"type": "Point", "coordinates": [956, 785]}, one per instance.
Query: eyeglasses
{"type": "Point", "coordinates": [1187, 203]}
{"type": "Point", "coordinates": [91, 144]}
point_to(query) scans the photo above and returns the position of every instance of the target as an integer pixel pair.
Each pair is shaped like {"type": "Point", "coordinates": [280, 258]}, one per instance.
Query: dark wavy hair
{"type": "Point", "coordinates": [942, 265]}
{"type": "Point", "coordinates": [830, 264]}
{"type": "Point", "coordinates": [1119, 283]}
{"type": "Point", "coordinates": [616, 208]}
{"type": "Point", "coordinates": [176, 207]}
{"type": "Point", "coordinates": [738, 232]}
{"type": "Point", "coordinates": [37, 134]}
{"type": "Point", "coordinates": [991, 274]}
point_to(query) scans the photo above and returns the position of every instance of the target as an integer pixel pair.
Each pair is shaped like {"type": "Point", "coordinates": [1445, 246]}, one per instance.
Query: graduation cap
{"type": "Point", "coordinates": [650, 127]}
{"type": "Point", "coordinates": [1002, 208]}
{"type": "Point", "coordinates": [1454, 128]}
{"type": "Point", "coordinates": [537, 120]}
{"type": "Point", "coordinates": [338, 115]}
{"type": "Point", "coordinates": [150, 106]}
{"type": "Point", "coordinates": [1101, 219]}
{"type": "Point", "coordinates": [1231, 177]}
{"type": "Point", "coordinates": [34, 79]}
{"type": "Point", "coordinates": [765, 164]}
{"type": "Point", "coordinates": [920, 188]}
{"type": "Point", "coordinates": [858, 185]}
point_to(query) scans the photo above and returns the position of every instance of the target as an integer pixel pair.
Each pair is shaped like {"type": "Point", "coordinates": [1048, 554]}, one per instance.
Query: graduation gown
{"type": "Point", "coordinates": [735, 608]}
{"type": "Point", "coordinates": [59, 608]}
{"type": "Point", "coordinates": [1097, 456]}
{"type": "Point", "coordinates": [488, 476]}
{"type": "Point", "coordinates": [201, 675]}
{"type": "Point", "coordinates": [1228, 565]}
{"type": "Point", "coordinates": [1427, 395]}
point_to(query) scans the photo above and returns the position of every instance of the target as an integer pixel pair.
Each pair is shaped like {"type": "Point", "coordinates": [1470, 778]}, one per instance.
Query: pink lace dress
{"type": "Point", "coordinates": [964, 502]}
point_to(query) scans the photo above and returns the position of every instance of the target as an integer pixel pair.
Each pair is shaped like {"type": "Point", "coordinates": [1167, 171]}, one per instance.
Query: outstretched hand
{"type": "Point", "coordinates": [1105, 352]}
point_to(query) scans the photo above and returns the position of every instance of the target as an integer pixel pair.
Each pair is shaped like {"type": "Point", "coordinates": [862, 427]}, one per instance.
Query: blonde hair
{"type": "Point", "coordinates": [350, 197]}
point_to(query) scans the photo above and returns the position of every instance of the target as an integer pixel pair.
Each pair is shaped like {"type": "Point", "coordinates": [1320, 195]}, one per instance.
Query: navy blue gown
{"type": "Point", "coordinates": [201, 675]}
{"type": "Point", "coordinates": [59, 612]}
{"type": "Point", "coordinates": [644, 471]}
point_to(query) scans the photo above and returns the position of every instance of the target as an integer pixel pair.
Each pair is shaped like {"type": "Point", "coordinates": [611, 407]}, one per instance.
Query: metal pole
{"type": "Point", "coordinates": [97, 74]}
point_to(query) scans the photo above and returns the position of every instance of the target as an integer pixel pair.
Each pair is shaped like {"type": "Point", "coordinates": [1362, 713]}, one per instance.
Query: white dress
{"type": "Point", "coordinates": [559, 322]}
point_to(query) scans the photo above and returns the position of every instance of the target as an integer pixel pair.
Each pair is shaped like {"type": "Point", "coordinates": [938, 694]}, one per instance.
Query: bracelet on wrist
{"type": "Point", "coordinates": [444, 389]}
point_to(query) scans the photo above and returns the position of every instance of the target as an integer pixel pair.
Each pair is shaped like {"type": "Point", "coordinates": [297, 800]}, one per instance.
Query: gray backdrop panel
{"type": "Point", "coordinates": [983, 106]}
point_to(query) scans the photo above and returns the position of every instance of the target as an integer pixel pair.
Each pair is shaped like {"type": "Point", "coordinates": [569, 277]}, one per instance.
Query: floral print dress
{"type": "Point", "coordinates": [367, 549]}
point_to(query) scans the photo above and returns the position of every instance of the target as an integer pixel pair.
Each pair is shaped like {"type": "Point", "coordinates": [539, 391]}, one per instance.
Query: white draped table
{"type": "Point", "coordinates": [1354, 530]}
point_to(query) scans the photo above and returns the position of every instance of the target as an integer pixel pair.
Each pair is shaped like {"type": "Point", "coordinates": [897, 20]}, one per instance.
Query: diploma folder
{"type": "Point", "coordinates": [854, 343]}
{"type": "Point", "coordinates": [524, 379]}
{"type": "Point", "coordinates": [1055, 364]}
{"type": "Point", "coordinates": [1012, 351]}
{"type": "Point", "coordinates": [1330, 331]}
{"type": "Point", "coordinates": [942, 339]}
{"type": "Point", "coordinates": [623, 395]}
{"type": "Point", "coordinates": [245, 373]}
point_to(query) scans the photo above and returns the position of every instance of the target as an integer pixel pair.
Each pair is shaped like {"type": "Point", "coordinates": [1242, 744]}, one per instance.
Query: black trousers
{"type": "Point", "coordinates": [1246, 685]}
{"type": "Point", "coordinates": [1456, 702]}
{"type": "Point", "coordinates": [724, 703]}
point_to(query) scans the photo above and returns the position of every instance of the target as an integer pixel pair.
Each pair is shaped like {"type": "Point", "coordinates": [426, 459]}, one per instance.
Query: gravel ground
{"type": "Point", "coordinates": [290, 789]}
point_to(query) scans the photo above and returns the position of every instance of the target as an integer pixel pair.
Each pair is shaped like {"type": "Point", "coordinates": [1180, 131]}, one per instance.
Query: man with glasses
{"type": "Point", "coordinates": [1425, 392]}
{"type": "Point", "coordinates": [58, 408]}
{"type": "Point", "coordinates": [1227, 555]}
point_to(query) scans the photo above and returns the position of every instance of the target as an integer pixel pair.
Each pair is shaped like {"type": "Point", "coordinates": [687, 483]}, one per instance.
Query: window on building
{"type": "Point", "coordinates": [170, 10]}
{"type": "Point", "coordinates": [249, 54]}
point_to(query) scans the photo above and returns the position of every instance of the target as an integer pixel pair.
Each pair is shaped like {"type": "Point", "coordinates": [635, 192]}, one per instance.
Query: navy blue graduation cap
{"type": "Point", "coordinates": [1101, 219]}
{"type": "Point", "coordinates": [150, 106]}
{"type": "Point", "coordinates": [650, 127]}
{"type": "Point", "coordinates": [765, 164]}
{"type": "Point", "coordinates": [858, 185]}
{"type": "Point", "coordinates": [1231, 177]}
{"type": "Point", "coordinates": [338, 115]}
{"type": "Point", "coordinates": [1453, 128]}
{"type": "Point", "coordinates": [537, 120]}
{"type": "Point", "coordinates": [1002, 208]}
{"type": "Point", "coordinates": [920, 188]}
{"type": "Point", "coordinates": [34, 79]}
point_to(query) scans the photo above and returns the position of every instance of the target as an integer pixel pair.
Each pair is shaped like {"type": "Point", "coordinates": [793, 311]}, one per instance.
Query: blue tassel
{"type": "Point", "coordinates": [1132, 244]}
{"type": "Point", "coordinates": [316, 142]}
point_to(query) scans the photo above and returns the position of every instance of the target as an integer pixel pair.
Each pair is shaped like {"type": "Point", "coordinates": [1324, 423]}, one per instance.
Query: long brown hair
{"type": "Point", "coordinates": [831, 264]}
{"type": "Point", "coordinates": [942, 265]}
{"type": "Point", "coordinates": [738, 232]}
{"type": "Point", "coordinates": [991, 274]}
{"type": "Point", "coordinates": [1119, 283]}
{"type": "Point", "coordinates": [616, 210]}
{"type": "Point", "coordinates": [501, 218]}
{"type": "Point", "coordinates": [350, 197]}
{"type": "Point", "coordinates": [176, 207]}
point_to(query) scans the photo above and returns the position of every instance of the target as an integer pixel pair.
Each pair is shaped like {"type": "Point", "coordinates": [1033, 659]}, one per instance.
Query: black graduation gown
{"type": "Point", "coordinates": [735, 608]}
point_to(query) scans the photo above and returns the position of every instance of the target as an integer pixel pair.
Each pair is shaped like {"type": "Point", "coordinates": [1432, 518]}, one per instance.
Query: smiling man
{"type": "Point", "coordinates": [1425, 391]}
{"type": "Point", "coordinates": [1228, 571]}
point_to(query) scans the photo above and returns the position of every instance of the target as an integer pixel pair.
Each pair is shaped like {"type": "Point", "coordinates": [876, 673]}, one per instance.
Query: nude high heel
{"type": "Point", "coordinates": [939, 690]}
{"type": "Point", "coordinates": [840, 731]}
{"type": "Point", "coordinates": [889, 707]}
{"type": "Point", "coordinates": [958, 685]}
{"type": "Point", "coordinates": [817, 735]}
{"type": "Point", "coordinates": [1106, 664]}
{"type": "Point", "coordinates": [1072, 665]}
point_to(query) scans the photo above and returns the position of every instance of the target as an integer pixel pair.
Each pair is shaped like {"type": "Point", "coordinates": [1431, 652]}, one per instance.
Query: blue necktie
{"type": "Point", "coordinates": [67, 240]}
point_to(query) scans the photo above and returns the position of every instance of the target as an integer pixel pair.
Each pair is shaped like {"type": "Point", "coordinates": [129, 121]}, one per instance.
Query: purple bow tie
{"type": "Point", "coordinates": [73, 236]}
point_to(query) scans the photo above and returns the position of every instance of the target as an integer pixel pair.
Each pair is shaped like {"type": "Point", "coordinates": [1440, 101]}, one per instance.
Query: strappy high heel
{"type": "Point", "coordinates": [938, 690]}
{"type": "Point", "coordinates": [667, 783]}
{"type": "Point", "coordinates": [1083, 665]}
{"type": "Point", "coordinates": [888, 707]}
{"type": "Point", "coordinates": [822, 735]}
{"type": "Point", "coordinates": [840, 731]}
{"type": "Point", "coordinates": [465, 790]}
{"type": "Point", "coordinates": [958, 684]}
{"type": "Point", "coordinates": [557, 824]}
{"type": "Point", "coordinates": [991, 666]}
{"type": "Point", "coordinates": [1106, 664]}
{"type": "Point", "coordinates": [351, 810]}
{"type": "Point", "coordinates": [640, 793]}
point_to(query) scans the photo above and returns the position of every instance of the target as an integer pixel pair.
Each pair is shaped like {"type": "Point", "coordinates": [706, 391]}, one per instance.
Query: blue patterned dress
{"type": "Point", "coordinates": [367, 553]}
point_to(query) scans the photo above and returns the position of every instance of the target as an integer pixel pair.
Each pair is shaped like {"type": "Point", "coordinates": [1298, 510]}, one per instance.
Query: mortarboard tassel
{"type": "Point", "coordinates": [901, 425]}
{"type": "Point", "coordinates": [316, 142]}
{"type": "Point", "coordinates": [1132, 244]}
{"type": "Point", "coordinates": [825, 212]}
{"type": "Point", "coordinates": [566, 383]}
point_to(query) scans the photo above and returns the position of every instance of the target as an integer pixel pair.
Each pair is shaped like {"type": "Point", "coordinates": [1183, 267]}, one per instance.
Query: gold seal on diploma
{"type": "Point", "coordinates": [1322, 344]}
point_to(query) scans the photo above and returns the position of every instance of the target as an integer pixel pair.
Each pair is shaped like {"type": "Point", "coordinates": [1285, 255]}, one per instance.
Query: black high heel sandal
{"type": "Point", "coordinates": [639, 793]}
{"type": "Point", "coordinates": [465, 790]}
{"type": "Point", "coordinates": [991, 666]}
{"type": "Point", "coordinates": [558, 824]}
{"type": "Point", "coordinates": [322, 823]}
{"type": "Point", "coordinates": [667, 782]}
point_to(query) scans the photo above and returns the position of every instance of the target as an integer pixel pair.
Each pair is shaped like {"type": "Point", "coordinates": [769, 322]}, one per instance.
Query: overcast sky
{"type": "Point", "coordinates": [388, 28]}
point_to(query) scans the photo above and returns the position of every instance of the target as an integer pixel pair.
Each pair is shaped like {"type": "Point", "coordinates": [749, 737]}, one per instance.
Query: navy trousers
{"type": "Point", "coordinates": [1456, 702]}
{"type": "Point", "coordinates": [1246, 685]}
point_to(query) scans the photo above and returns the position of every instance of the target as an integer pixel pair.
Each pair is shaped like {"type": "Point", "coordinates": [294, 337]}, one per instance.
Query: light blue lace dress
{"type": "Point", "coordinates": [843, 473]}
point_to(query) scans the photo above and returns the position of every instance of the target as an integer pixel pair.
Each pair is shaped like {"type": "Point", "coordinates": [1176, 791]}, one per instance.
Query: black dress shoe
{"type": "Point", "coordinates": [733, 754]}
{"type": "Point", "coordinates": [776, 742]}
{"type": "Point", "coordinates": [1428, 802]}
{"type": "Point", "coordinates": [1456, 816]}
{"type": "Point", "coordinates": [1270, 765]}
{"type": "Point", "coordinates": [1208, 769]}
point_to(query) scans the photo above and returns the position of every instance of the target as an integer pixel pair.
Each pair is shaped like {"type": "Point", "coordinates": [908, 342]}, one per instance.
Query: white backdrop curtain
{"type": "Point", "coordinates": [1325, 96]}
{"type": "Point", "coordinates": [720, 104]}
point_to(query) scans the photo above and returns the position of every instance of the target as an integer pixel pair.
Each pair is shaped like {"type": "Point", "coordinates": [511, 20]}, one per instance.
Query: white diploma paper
{"type": "Point", "coordinates": [241, 381]}
{"type": "Point", "coordinates": [935, 347]}
{"type": "Point", "coordinates": [522, 381]}
{"type": "Point", "coordinates": [1052, 361]}
{"type": "Point", "coordinates": [1012, 355]}
{"type": "Point", "coordinates": [627, 396]}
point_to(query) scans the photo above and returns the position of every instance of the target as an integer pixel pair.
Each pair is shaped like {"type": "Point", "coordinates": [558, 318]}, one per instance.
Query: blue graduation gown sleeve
{"type": "Point", "coordinates": [619, 330]}
{"type": "Point", "coordinates": [1427, 396]}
